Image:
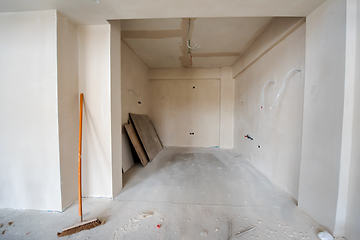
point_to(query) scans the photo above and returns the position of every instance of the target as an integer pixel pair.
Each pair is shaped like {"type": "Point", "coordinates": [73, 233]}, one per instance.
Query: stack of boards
{"type": "Point", "coordinates": [143, 137]}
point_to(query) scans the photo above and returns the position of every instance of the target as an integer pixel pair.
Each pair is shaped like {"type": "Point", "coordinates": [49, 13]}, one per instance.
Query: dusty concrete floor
{"type": "Point", "coordinates": [192, 193]}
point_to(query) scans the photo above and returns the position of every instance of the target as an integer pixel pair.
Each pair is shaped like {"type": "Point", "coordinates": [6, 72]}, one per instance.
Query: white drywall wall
{"type": "Point", "coordinates": [352, 230]}
{"type": "Point", "coordinates": [177, 109]}
{"type": "Point", "coordinates": [134, 89]}
{"type": "Point", "coordinates": [323, 112]}
{"type": "Point", "coordinates": [226, 97]}
{"type": "Point", "coordinates": [95, 83]}
{"type": "Point", "coordinates": [276, 131]}
{"type": "Point", "coordinates": [29, 143]}
{"type": "Point", "coordinates": [226, 108]}
{"type": "Point", "coordinates": [277, 30]}
{"type": "Point", "coordinates": [184, 73]}
{"type": "Point", "coordinates": [115, 86]}
{"type": "Point", "coordinates": [68, 107]}
{"type": "Point", "coordinates": [134, 84]}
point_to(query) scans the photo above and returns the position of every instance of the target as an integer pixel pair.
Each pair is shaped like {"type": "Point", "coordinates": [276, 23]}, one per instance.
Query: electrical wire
{"type": "Point", "coordinates": [130, 90]}
{"type": "Point", "coordinates": [188, 40]}
{"type": "Point", "coordinates": [190, 57]}
{"type": "Point", "coordinates": [284, 83]}
{"type": "Point", "coordinates": [262, 96]}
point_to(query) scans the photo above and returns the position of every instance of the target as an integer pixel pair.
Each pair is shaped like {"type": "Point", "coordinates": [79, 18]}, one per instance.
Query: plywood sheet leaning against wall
{"type": "Point", "coordinates": [136, 143]}
{"type": "Point", "coordinates": [147, 134]}
{"type": "Point", "coordinates": [127, 155]}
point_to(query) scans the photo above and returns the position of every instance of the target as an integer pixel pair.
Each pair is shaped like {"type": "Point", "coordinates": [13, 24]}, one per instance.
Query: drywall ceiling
{"type": "Point", "coordinates": [87, 12]}
{"type": "Point", "coordinates": [161, 43]}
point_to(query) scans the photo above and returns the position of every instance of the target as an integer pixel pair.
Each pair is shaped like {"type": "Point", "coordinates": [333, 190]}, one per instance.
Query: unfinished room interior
{"type": "Point", "coordinates": [181, 119]}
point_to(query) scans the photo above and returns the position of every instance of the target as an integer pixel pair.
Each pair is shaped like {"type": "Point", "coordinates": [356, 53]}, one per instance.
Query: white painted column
{"type": "Point", "coordinates": [323, 119]}
{"type": "Point", "coordinates": [352, 230]}
{"type": "Point", "coordinates": [68, 108]}
{"type": "Point", "coordinates": [226, 108]}
{"type": "Point", "coordinates": [115, 85]}
{"type": "Point", "coordinates": [348, 116]}
{"type": "Point", "coordinates": [95, 83]}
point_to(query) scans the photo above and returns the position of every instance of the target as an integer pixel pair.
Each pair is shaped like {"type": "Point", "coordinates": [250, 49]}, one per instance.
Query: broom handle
{"type": "Point", "coordinates": [79, 157]}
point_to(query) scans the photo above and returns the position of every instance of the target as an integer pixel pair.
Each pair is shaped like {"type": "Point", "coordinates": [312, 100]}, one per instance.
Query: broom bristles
{"type": "Point", "coordinates": [79, 227]}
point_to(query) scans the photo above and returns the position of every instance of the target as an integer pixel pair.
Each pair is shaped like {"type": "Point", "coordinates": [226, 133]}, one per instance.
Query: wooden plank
{"type": "Point", "coordinates": [127, 157]}
{"type": "Point", "coordinates": [147, 134]}
{"type": "Point", "coordinates": [136, 143]}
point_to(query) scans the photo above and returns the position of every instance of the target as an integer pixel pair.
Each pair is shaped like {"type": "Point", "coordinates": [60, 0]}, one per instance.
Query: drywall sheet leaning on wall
{"type": "Point", "coordinates": [147, 134]}
{"type": "Point", "coordinates": [127, 157]}
{"type": "Point", "coordinates": [136, 143]}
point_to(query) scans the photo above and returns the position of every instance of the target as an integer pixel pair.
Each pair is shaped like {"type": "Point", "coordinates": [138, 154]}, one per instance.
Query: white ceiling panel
{"type": "Point", "coordinates": [86, 12]}
{"type": "Point", "coordinates": [161, 43]}
{"type": "Point", "coordinates": [216, 35]}
{"type": "Point", "coordinates": [150, 24]}
{"type": "Point", "coordinates": [157, 53]}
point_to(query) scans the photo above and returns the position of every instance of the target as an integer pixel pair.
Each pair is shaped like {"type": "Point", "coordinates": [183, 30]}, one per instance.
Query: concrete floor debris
{"type": "Point", "coordinates": [192, 199]}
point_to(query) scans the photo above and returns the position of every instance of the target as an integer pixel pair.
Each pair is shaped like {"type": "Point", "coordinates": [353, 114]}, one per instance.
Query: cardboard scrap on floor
{"type": "Point", "coordinates": [147, 134]}
{"type": "Point", "coordinates": [136, 143]}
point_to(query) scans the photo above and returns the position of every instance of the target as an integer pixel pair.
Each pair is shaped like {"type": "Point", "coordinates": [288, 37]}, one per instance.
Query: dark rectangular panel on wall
{"type": "Point", "coordinates": [136, 143]}
{"type": "Point", "coordinates": [147, 134]}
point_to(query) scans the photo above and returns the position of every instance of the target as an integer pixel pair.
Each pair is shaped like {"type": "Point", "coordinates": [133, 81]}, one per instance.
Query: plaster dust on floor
{"type": "Point", "coordinates": [184, 193]}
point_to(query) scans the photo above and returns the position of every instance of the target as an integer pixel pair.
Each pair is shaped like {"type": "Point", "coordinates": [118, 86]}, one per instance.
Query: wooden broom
{"type": "Point", "coordinates": [82, 225]}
